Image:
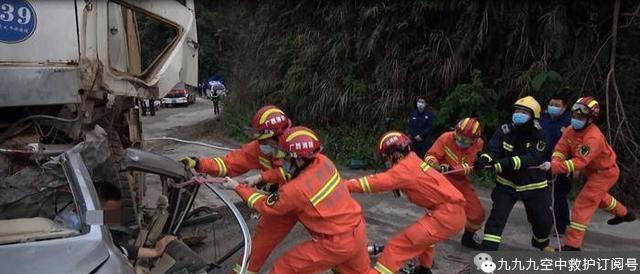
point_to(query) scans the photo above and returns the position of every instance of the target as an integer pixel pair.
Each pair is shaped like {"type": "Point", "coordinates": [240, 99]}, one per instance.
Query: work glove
{"type": "Point", "coordinates": [481, 163]}
{"type": "Point", "coordinates": [545, 166]}
{"type": "Point", "coordinates": [229, 183]}
{"type": "Point", "coordinates": [444, 168]}
{"type": "Point", "coordinates": [190, 162]}
{"type": "Point", "coordinates": [253, 180]}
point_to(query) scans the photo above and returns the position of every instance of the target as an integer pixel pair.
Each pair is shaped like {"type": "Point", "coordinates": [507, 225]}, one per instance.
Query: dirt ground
{"type": "Point", "coordinates": [385, 215]}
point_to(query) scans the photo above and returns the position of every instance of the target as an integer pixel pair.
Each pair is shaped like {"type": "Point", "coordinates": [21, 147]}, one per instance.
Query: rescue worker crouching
{"type": "Point", "coordinates": [583, 148]}
{"type": "Point", "coordinates": [267, 126]}
{"type": "Point", "coordinates": [423, 186]}
{"type": "Point", "coordinates": [511, 151]}
{"type": "Point", "coordinates": [317, 196]}
{"type": "Point", "coordinates": [453, 153]}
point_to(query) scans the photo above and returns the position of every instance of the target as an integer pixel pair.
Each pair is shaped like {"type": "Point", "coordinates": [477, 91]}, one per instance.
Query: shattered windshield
{"type": "Point", "coordinates": [40, 201]}
{"type": "Point", "coordinates": [36, 203]}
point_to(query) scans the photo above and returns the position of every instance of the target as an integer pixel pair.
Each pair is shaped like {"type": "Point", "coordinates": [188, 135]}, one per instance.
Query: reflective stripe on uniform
{"type": "Point", "coordinates": [326, 189]}
{"type": "Point", "coordinates": [570, 166]}
{"type": "Point", "coordinates": [264, 162]}
{"type": "Point", "coordinates": [467, 168]}
{"type": "Point", "coordinates": [516, 162]}
{"type": "Point", "coordinates": [612, 204]}
{"type": "Point", "coordinates": [507, 146]}
{"type": "Point", "coordinates": [578, 226]}
{"type": "Point", "coordinates": [237, 269]}
{"type": "Point", "coordinates": [542, 240]}
{"type": "Point", "coordinates": [559, 155]}
{"type": "Point", "coordinates": [492, 238]}
{"type": "Point", "coordinates": [253, 198]}
{"type": "Point", "coordinates": [382, 269]}
{"type": "Point", "coordinates": [486, 156]}
{"type": "Point", "coordinates": [450, 153]}
{"type": "Point", "coordinates": [364, 184]}
{"type": "Point", "coordinates": [424, 166]}
{"type": "Point", "coordinates": [498, 167]}
{"type": "Point", "coordinates": [505, 182]}
{"type": "Point", "coordinates": [534, 186]}
{"type": "Point", "coordinates": [285, 175]}
{"type": "Point", "coordinates": [222, 167]}
{"type": "Point", "coordinates": [539, 185]}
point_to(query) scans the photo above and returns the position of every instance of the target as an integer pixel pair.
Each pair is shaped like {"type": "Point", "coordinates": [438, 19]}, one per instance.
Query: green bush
{"type": "Point", "coordinates": [467, 99]}
{"type": "Point", "coordinates": [236, 118]}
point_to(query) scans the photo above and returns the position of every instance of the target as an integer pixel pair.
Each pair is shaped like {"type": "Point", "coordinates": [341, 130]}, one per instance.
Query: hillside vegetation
{"type": "Point", "coordinates": [352, 69]}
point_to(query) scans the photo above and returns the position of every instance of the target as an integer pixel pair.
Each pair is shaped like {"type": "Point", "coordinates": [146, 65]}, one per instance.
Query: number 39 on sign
{"type": "Point", "coordinates": [17, 21]}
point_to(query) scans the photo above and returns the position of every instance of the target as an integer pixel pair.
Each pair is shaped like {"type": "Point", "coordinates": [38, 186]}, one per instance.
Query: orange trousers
{"type": "Point", "coordinates": [270, 231]}
{"type": "Point", "coordinates": [473, 209]}
{"type": "Point", "coordinates": [594, 194]}
{"type": "Point", "coordinates": [347, 252]}
{"type": "Point", "coordinates": [419, 239]}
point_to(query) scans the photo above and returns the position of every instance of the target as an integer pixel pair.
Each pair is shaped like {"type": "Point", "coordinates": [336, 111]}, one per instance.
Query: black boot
{"type": "Point", "coordinates": [630, 217]}
{"type": "Point", "coordinates": [468, 241]}
{"type": "Point", "coordinates": [569, 248]}
{"type": "Point", "coordinates": [422, 270]}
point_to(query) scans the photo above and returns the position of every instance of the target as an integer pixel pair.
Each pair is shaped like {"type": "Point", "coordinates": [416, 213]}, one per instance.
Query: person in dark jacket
{"type": "Point", "coordinates": [420, 124]}
{"type": "Point", "coordinates": [553, 122]}
{"type": "Point", "coordinates": [510, 153]}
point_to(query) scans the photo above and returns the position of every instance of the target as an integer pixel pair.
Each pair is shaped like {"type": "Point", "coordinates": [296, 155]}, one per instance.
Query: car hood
{"type": "Point", "coordinates": [71, 255]}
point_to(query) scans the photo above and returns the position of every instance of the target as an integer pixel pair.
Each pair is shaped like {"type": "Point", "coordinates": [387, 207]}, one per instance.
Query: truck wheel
{"type": "Point", "coordinates": [117, 127]}
{"type": "Point", "coordinates": [129, 210]}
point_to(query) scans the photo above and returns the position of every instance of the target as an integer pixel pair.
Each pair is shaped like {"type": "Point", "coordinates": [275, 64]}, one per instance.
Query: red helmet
{"type": "Point", "coordinates": [300, 142]}
{"type": "Point", "coordinates": [268, 122]}
{"type": "Point", "coordinates": [587, 106]}
{"type": "Point", "coordinates": [393, 141]}
{"type": "Point", "coordinates": [469, 129]}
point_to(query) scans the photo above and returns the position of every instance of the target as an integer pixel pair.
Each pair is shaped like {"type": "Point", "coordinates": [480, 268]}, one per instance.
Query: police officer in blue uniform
{"type": "Point", "coordinates": [420, 124]}
{"type": "Point", "coordinates": [553, 122]}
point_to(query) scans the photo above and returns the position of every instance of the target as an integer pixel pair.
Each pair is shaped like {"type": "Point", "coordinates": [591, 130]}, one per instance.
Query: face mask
{"type": "Point", "coordinates": [421, 105]}
{"type": "Point", "coordinates": [519, 118]}
{"type": "Point", "coordinates": [266, 149]}
{"type": "Point", "coordinates": [577, 124]}
{"type": "Point", "coordinates": [554, 111]}
{"type": "Point", "coordinates": [462, 145]}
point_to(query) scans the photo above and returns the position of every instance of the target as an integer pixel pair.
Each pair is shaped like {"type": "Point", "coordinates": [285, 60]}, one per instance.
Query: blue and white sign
{"type": "Point", "coordinates": [17, 21]}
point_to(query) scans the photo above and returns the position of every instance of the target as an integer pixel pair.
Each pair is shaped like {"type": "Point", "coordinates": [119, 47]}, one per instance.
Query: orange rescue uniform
{"type": "Point", "coordinates": [427, 188]}
{"type": "Point", "coordinates": [445, 151]}
{"type": "Point", "coordinates": [321, 201]}
{"type": "Point", "coordinates": [270, 229]}
{"type": "Point", "coordinates": [587, 151]}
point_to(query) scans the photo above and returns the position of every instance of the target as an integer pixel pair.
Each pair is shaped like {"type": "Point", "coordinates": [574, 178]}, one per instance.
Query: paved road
{"type": "Point", "coordinates": [385, 214]}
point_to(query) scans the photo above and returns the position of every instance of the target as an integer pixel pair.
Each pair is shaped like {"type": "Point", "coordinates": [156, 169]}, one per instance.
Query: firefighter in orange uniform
{"type": "Point", "coordinates": [321, 201]}
{"type": "Point", "coordinates": [267, 125]}
{"type": "Point", "coordinates": [583, 148]}
{"type": "Point", "coordinates": [454, 152]}
{"type": "Point", "coordinates": [423, 186]}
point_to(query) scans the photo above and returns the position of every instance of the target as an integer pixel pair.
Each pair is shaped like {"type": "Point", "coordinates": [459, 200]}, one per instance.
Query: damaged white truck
{"type": "Point", "coordinates": [71, 75]}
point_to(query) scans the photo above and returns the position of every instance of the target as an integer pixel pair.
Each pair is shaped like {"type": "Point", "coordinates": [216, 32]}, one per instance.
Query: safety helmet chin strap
{"type": "Point", "coordinates": [396, 156]}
